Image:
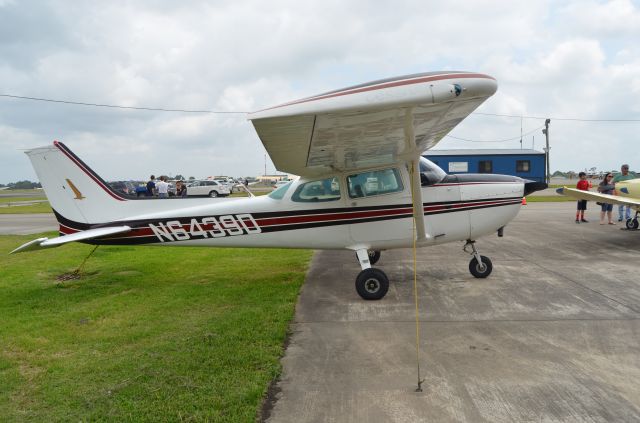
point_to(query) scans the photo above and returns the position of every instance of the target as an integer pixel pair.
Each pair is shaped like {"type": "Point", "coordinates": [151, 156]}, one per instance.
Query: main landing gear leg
{"type": "Point", "coordinates": [479, 266]}
{"type": "Point", "coordinates": [371, 284]}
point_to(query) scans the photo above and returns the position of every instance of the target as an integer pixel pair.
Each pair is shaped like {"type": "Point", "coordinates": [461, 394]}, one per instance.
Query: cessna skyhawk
{"type": "Point", "coordinates": [363, 186]}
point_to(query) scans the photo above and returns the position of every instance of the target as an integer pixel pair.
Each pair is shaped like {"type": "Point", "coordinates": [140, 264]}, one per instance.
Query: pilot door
{"type": "Point", "coordinates": [379, 201]}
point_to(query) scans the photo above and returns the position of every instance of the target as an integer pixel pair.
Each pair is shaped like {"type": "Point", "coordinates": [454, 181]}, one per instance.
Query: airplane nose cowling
{"type": "Point", "coordinates": [533, 186]}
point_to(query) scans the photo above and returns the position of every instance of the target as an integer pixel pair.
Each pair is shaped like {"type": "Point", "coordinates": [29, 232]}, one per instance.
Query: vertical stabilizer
{"type": "Point", "coordinates": [74, 191]}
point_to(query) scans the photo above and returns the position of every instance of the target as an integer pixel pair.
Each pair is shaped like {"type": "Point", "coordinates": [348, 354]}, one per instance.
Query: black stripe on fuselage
{"type": "Point", "coordinates": [449, 207]}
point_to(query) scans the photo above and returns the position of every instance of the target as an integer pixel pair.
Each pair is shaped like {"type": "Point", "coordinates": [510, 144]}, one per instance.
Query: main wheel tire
{"type": "Point", "coordinates": [480, 270]}
{"type": "Point", "coordinates": [213, 194]}
{"type": "Point", "coordinates": [632, 223]}
{"type": "Point", "coordinates": [372, 284]}
{"type": "Point", "coordinates": [374, 256]}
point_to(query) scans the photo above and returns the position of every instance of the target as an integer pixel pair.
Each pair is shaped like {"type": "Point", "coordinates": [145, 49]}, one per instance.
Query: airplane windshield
{"type": "Point", "coordinates": [277, 194]}
{"type": "Point", "coordinates": [430, 173]}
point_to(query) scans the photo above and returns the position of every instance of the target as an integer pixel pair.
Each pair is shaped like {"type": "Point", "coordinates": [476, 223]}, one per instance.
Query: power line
{"type": "Point", "coordinates": [504, 140]}
{"type": "Point", "coordinates": [556, 118]}
{"type": "Point", "coordinates": [78, 103]}
{"type": "Point", "coordinates": [159, 109]}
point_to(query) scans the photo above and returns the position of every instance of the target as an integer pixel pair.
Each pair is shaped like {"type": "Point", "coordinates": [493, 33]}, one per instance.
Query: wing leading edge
{"type": "Point", "coordinates": [378, 123]}
{"type": "Point", "coordinates": [596, 196]}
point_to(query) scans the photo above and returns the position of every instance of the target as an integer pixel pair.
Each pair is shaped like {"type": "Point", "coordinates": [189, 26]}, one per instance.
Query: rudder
{"type": "Point", "coordinates": [74, 191]}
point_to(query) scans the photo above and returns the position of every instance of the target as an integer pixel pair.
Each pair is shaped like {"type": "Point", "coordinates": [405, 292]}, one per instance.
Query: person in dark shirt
{"type": "Point", "coordinates": [606, 187]}
{"type": "Point", "coordinates": [151, 186]}
{"type": "Point", "coordinates": [181, 189]}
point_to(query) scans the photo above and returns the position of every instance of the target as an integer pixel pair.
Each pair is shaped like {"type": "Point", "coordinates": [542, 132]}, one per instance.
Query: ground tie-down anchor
{"type": "Point", "coordinates": [76, 273]}
{"type": "Point", "coordinates": [420, 382]}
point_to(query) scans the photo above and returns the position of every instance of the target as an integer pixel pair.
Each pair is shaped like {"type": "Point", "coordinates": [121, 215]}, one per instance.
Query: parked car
{"type": "Point", "coordinates": [125, 187]}
{"type": "Point", "coordinates": [209, 188]}
{"type": "Point", "coordinates": [225, 183]}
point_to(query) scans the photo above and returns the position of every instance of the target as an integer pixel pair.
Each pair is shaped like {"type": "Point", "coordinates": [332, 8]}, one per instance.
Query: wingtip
{"type": "Point", "coordinates": [36, 244]}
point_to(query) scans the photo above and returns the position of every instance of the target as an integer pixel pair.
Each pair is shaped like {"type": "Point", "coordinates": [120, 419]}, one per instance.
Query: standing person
{"type": "Point", "coordinates": [606, 187]}
{"type": "Point", "coordinates": [582, 185]}
{"type": "Point", "coordinates": [163, 188]}
{"type": "Point", "coordinates": [151, 187]}
{"type": "Point", "coordinates": [624, 175]}
{"type": "Point", "coordinates": [181, 189]}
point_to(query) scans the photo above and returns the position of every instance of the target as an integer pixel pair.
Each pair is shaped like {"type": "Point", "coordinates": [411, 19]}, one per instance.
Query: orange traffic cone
{"type": "Point", "coordinates": [524, 201]}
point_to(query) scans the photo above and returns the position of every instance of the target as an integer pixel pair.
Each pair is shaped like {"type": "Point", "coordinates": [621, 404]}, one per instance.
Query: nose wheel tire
{"type": "Point", "coordinates": [480, 270]}
{"type": "Point", "coordinates": [632, 223]}
{"type": "Point", "coordinates": [372, 284]}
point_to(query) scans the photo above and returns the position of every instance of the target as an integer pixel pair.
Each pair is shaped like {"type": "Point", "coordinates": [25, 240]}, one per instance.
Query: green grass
{"type": "Point", "coordinates": [4, 200]}
{"type": "Point", "coordinates": [148, 334]}
{"type": "Point", "coordinates": [33, 208]}
{"type": "Point", "coordinates": [548, 198]}
{"type": "Point", "coordinates": [22, 191]}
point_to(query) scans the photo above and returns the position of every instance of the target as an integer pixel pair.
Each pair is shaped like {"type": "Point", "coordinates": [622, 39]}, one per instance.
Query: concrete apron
{"type": "Point", "coordinates": [552, 335]}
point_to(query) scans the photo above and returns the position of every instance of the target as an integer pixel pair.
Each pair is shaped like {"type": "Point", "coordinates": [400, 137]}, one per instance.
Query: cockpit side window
{"type": "Point", "coordinates": [375, 182]}
{"type": "Point", "coordinates": [430, 173]}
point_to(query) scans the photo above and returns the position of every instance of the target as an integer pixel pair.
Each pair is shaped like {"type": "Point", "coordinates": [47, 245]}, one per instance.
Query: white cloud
{"type": "Point", "coordinates": [567, 59]}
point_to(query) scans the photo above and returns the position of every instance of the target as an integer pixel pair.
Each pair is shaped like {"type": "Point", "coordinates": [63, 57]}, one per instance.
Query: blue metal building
{"type": "Point", "coordinates": [525, 163]}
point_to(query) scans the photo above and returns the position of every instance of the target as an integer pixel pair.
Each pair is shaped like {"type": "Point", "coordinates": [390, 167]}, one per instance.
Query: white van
{"type": "Point", "coordinates": [209, 188]}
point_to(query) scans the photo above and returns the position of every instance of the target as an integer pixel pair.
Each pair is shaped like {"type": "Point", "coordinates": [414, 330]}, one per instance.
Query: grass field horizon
{"type": "Point", "coordinates": [147, 334]}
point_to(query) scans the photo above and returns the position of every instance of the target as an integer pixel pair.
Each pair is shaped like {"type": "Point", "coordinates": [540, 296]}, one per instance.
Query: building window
{"type": "Point", "coordinates": [485, 166]}
{"type": "Point", "coordinates": [458, 166]}
{"type": "Point", "coordinates": [523, 165]}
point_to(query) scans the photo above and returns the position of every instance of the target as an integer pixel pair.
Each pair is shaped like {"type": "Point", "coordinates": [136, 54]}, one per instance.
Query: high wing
{"type": "Point", "coordinates": [42, 243]}
{"type": "Point", "coordinates": [603, 198]}
{"type": "Point", "coordinates": [377, 123]}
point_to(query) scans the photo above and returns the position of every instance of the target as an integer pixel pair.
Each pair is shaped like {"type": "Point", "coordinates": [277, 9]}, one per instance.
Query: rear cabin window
{"type": "Point", "coordinates": [317, 191]}
{"type": "Point", "coordinates": [278, 193]}
{"type": "Point", "coordinates": [376, 182]}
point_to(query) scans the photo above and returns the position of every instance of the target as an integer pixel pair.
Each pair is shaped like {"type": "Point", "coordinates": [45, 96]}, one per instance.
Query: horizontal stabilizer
{"type": "Point", "coordinates": [42, 243]}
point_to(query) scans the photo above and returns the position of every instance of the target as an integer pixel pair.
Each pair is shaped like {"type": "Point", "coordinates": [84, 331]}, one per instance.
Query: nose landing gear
{"type": "Point", "coordinates": [479, 266]}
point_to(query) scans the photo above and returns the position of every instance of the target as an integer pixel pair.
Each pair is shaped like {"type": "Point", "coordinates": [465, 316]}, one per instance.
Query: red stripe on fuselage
{"type": "Point", "coordinates": [346, 217]}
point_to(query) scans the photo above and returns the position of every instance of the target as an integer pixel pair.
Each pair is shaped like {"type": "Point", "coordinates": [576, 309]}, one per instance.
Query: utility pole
{"type": "Point", "coordinates": [545, 131]}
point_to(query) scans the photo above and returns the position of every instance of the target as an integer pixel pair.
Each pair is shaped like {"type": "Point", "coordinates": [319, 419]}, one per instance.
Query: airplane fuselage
{"type": "Point", "coordinates": [454, 210]}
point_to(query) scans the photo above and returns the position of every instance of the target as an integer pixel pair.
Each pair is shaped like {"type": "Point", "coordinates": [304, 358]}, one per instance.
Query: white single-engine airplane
{"type": "Point", "coordinates": [364, 185]}
{"type": "Point", "coordinates": [628, 194]}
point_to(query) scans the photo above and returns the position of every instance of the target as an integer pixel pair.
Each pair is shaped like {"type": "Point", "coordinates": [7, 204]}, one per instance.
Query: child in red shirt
{"type": "Point", "coordinates": [582, 185]}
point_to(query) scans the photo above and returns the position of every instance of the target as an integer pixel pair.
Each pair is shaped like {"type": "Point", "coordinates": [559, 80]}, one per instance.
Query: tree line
{"type": "Point", "coordinates": [21, 185]}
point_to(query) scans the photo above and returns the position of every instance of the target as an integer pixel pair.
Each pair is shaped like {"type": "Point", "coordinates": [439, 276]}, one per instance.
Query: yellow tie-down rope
{"type": "Point", "coordinates": [415, 277]}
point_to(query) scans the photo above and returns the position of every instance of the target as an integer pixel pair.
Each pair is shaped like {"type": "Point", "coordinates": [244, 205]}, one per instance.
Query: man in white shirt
{"type": "Point", "coordinates": [163, 188]}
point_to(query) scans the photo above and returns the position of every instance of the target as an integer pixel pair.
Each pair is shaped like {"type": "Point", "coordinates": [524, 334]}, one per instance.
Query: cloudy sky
{"type": "Point", "coordinates": [558, 59]}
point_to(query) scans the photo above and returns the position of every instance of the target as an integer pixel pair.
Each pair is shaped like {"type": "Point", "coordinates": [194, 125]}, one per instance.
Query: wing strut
{"type": "Point", "coordinates": [416, 197]}
{"type": "Point", "coordinates": [414, 174]}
